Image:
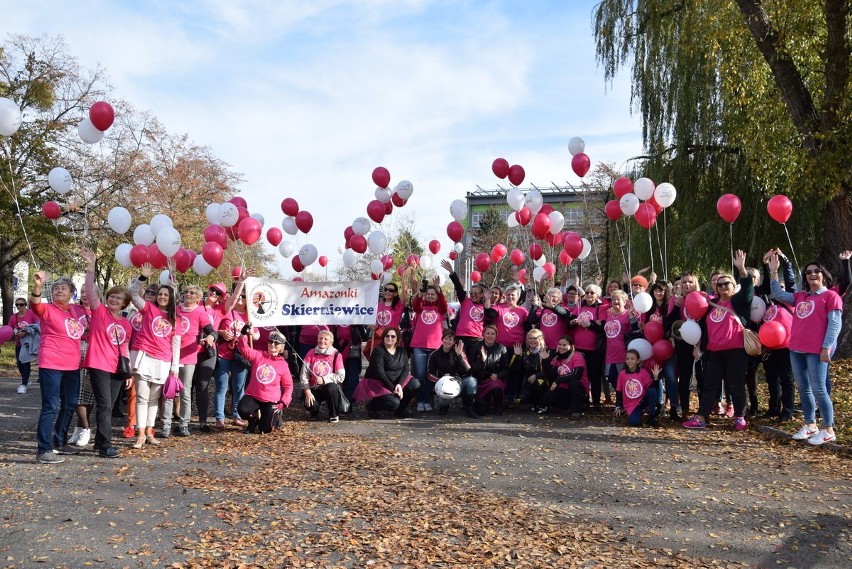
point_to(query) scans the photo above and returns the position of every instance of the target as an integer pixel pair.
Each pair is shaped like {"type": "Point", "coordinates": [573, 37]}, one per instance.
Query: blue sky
{"type": "Point", "coordinates": [306, 98]}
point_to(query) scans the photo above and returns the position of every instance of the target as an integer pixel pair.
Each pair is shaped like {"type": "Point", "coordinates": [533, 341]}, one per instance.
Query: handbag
{"type": "Point", "coordinates": [345, 405]}
{"type": "Point", "coordinates": [123, 369]}
{"type": "Point", "coordinates": [751, 341]}
{"type": "Point", "coordinates": [172, 387]}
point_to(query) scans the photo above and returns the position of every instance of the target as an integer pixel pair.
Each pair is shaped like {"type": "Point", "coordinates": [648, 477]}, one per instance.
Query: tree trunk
{"type": "Point", "coordinates": [837, 238]}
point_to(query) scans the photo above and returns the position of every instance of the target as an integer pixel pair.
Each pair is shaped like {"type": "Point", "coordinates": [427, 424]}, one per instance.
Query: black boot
{"type": "Point", "coordinates": [443, 409]}
{"type": "Point", "coordinates": [469, 409]}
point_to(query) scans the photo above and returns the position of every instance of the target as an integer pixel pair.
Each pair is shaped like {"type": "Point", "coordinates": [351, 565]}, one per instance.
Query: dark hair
{"type": "Point", "coordinates": [827, 279]}
{"type": "Point", "coordinates": [171, 307]}
{"type": "Point", "coordinates": [666, 288]}
{"type": "Point", "coordinates": [638, 357]}
{"type": "Point", "coordinates": [392, 329]}
{"type": "Point", "coordinates": [448, 333]}
{"type": "Point", "coordinates": [570, 341]}
{"type": "Point", "coordinates": [395, 302]}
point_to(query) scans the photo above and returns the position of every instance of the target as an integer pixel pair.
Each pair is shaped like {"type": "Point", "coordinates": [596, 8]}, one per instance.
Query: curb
{"type": "Point", "coordinates": [772, 432]}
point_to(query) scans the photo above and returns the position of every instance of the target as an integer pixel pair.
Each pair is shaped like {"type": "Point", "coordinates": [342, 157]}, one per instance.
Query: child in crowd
{"type": "Point", "coordinates": [636, 391]}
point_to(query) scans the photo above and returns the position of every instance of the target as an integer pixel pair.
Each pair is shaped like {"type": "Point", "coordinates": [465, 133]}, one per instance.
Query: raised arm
{"type": "Point", "coordinates": [138, 284]}
{"type": "Point", "coordinates": [89, 286]}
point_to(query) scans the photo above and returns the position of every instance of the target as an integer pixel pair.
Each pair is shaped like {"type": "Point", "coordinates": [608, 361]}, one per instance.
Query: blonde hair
{"type": "Point", "coordinates": [620, 294]}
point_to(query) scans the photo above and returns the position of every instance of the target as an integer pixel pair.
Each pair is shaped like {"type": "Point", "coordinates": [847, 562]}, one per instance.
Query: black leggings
{"type": "Point", "coordinates": [330, 393]}
{"type": "Point", "coordinates": [201, 384]}
{"type": "Point", "coordinates": [105, 386]}
{"type": "Point", "coordinates": [685, 361]}
{"type": "Point", "coordinates": [248, 408]}
{"type": "Point", "coordinates": [594, 369]}
{"type": "Point", "coordinates": [730, 366]}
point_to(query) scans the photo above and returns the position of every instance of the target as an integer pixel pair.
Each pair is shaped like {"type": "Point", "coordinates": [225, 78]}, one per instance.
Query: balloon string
{"type": "Point", "coordinates": [589, 226]}
{"type": "Point", "coordinates": [14, 194]}
{"type": "Point", "coordinates": [666, 243]}
{"type": "Point", "coordinates": [629, 256]}
{"type": "Point", "coordinates": [731, 227]}
{"type": "Point", "coordinates": [659, 249]}
{"type": "Point", "coordinates": [650, 250]}
{"type": "Point", "coordinates": [621, 244]}
{"type": "Point", "coordinates": [792, 250]}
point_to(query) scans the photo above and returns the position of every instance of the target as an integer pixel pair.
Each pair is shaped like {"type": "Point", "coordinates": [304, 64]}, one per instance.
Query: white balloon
{"type": "Point", "coordinates": [458, 209]}
{"type": "Point", "coordinates": [628, 203]}
{"type": "Point", "coordinates": [458, 247]}
{"type": "Point", "coordinates": [515, 199]}
{"type": "Point", "coordinates": [376, 266]}
{"type": "Point", "coordinates": [212, 213]}
{"type": "Point", "coordinates": [165, 278]}
{"type": "Point", "coordinates": [540, 261]}
{"type": "Point", "coordinates": [340, 249]}
{"type": "Point", "coordinates": [384, 195]}
{"type": "Point", "coordinates": [285, 248]}
{"type": "Point", "coordinates": [758, 308]}
{"type": "Point", "coordinates": [576, 145]}
{"type": "Point", "coordinates": [665, 194]}
{"type": "Point", "coordinates": [349, 258]}
{"type": "Point", "coordinates": [228, 214]}
{"type": "Point", "coordinates": [587, 248]}
{"type": "Point", "coordinates": [643, 188]}
{"type": "Point", "coordinates": [404, 189]}
{"type": "Point", "coordinates": [142, 235]}
{"type": "Point", "coordinates": [159, 222]}
{"type": "Point", "coordinates": [386, 278]}
{"type": "Point", "coordinates": [534, 200]}
{"type": "Point", "coordinates": [643, 346]}
{"type": "Point", "coordinates": [288, 224]}
{"type": "Point", "coordinates": [690, 332]}
{"type": "Point", "coordinates": [88, 133]}
{"type": "Point", "coordinates": [361, 225]}
{"type": "Point", "coordinates": [425, 262]}
{"type": "Point", "coordinates": [538, 273]}
{"type": "Point", "coordinates": [168, 241]}
{"type": "Point", "coordinates": [10, 117]}
{"type": "Point", "coordinates": [200, 266]}
{"type": "Point", "coordinates": [307, 254]}
{"type": "Point", "coordinates": [557, 222]}
{"type": "Point", "coordinates": [377, 242]}
{"type": "Point", "coordinates": [122, 255]}
{"type": "Point", "coordinates": [259, 217]}
{"type": "Point", "coordinates": [59, 180]}
{"type": "Point", "coordinates": [512, 220]}
{"type": "Point", "coordinates": [119, 220]}
{"type": "Point", "coordinates": [642, 302]}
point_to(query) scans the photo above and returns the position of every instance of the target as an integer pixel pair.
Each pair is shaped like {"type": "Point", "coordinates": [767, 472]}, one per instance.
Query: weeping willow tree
{"type": "Point", "coordinates": [747, 97]}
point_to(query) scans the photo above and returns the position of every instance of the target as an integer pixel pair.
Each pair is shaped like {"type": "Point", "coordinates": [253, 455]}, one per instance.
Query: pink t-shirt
{"type": "Point", "coordinates": [19, 323]}
{"type": "Point", "coordinates": [387, 316]}
{"type": "Point", "coordinates": [782, 315]}
{"type": "Point", "coordinates": [271, 381]}
{"type": "Point", "coordinates": [154, 336]}
{"type": "Point", "coordinates": [633, 387]}
{"type": "Point", "coordinates": [811, 320]}
{"type": "Point", "coordinates": [428, 324]}
{"type": "Point", "coordinates": [109, 335]}
{"type": "Point", "coordinates": [586, 338]}
{"type": "Point", "coordinates": [61, 333]}
{"type": "Point", "coordinates": [189, 324]}
{"type": "Point", "coordinates": [234, 322]}
{"type": "Point", "coordinates": [565, 366]}
{"type": "Point", "coordinates": [471, 319]}
{"type": "Point", "coordinates": [724, 330]}
{"type": "Point", "coordinates": [510, 324]}
{"type": "Point", "coordinates": [321, 365]}
{"type": "Point", "coordinates": [617, 325]}
{"type": "Point", "coordinates": [552, 327]}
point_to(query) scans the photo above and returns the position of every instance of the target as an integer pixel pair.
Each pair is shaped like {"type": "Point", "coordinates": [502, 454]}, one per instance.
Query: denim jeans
{"type": "Point", "coordinates": [58, 399]}
{"type": "Point", "coordinates": [648, 402]}
{"type": "Point", "coordinates": [352, 367]}
{"type": "Point", "coordinates": [229, 372]}
{"type": "Point", "coordinates": [670, 377]}
{"type": "Point", "coordinates": [23, 367]}
{"type": "Point", "coordinates": [419, 361]}
{"type": "Point", "coordinates": [810, 378]}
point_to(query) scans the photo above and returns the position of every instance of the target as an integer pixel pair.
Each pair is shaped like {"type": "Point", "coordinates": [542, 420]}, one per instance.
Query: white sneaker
{"type": "Point", "coordinates": [804, 433]}
{"type": "Point", "coordinates": [85, 436]}
{"type": "Point", "coordinates": [428, 407]}
{"type": "Point", "coordinates": [76, 436]}
{"type": "Point", "coordinates": [822, 436]}
{"type": "Point", "coordinates": [22, 389]}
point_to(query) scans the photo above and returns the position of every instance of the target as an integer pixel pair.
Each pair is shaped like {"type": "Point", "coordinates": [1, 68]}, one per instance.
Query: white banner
{"type": "Point", "coordinates": [276, 303]}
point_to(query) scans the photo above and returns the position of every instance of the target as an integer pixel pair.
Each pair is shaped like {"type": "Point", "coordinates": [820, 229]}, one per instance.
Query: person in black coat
{"type": "Point", "coordinates": [387, 383]}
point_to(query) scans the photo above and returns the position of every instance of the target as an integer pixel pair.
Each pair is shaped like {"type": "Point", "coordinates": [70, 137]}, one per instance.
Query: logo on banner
{"type": "Point", "coordinates": [264, 300]}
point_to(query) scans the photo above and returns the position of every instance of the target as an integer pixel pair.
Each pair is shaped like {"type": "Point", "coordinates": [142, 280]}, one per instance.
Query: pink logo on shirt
{"type": "Point", "coordinates": [510, 319]}
{"type": "Point", "coordinates": [264, 374]}
{"type": "Point", "coordinates": [161, 327]}
{"type": "Point", "coordinates": [74, 328]}
{"type": "Point", "coordinates": [584, 317]}
{"type": "Point", "coordinates": [549, 319]}
{"type": "Point", "coordinates": [655, 317]}
{"type": "Point", "coordinates": [383, 318]}
{"type": "Point", "coordinates": [477, 313]}
{"type": "Point", "coordinates": [612, 328]}
{"type": "Point", "coordinates": [563, 369]}
{"type": "Point", "coordinates": [633, 388]}
{"type": "Point", "coordinates": [321, 368]}
{"type": "Point", "coordinates": [183, 325]}
{"type": "Point", "coordinates": [717, 315]}
{"type": "Point", "coordinates": [117, 334]}
{"type": "Point", "coordinates": [136, 321]}
{"type": "Point", "coordinates": [771, 313]}
{"type": "Point", "coordinates": [805, 308]}
{"type": "Point", "coordinates": [429, 316]}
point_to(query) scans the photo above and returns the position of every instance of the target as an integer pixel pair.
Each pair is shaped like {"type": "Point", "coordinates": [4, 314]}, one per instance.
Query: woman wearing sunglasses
{"type": "Point", "coordinates": [214, 307]}
{"type": "Point", "coordinates": [231, 370]}
{"type": "Point", "coordinates": [387, 383]}
{"type": "Point", "coordinates": [21, 322]}
{"type": "Point", "coordinates": [271, 385]}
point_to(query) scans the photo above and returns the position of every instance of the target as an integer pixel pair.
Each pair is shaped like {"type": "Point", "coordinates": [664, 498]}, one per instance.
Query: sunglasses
{"type": "Point", "coordinates": [275, 343]}
{"type": "Point", "coordinates": [390, 290]}
{"type": "Point", "coordinates": [16, 304]}
{"type": "Point", "coordinates": [213, 291]}
{"type": "Point", "coordinates": [391, 336]}
{"type": "Point", "coordinates": [813, 272]}
{"type": "Point", "coordinates": [726, 283]}
{"type": "Point", "coordinates": [242, 296]}
{"type": "Point", "coordinates": [150, 292]}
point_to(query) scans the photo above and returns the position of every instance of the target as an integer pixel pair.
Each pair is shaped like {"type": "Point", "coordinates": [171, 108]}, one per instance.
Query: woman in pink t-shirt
{"type": "Point", "coordinates": [214, 307]}
{"type": "Point", "coordinates": [154, 354]}
{"type": "Point", "coordinates": [617, 322]}
{"type": "Point", "coordinates": [430, 312]}
{"type": "Point", "coordinates": [109, 335]}
{"type": "Point", "coordinates": [20, 322]}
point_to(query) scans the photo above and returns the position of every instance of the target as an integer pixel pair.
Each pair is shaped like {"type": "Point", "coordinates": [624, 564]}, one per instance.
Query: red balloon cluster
{"type": "Point", "coordinates": [646, 215]}
{"type": "Point", "coordinates": [502, 170]}
{"type": "Point", "coordinates": [290, 207]}
{"type": "Point", "coordinates": [572, 243]}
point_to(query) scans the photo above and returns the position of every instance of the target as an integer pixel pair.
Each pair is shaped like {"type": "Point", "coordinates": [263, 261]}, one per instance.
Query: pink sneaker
{"type": "Point", "coordinates": [695, 423]}
{"type": "Point", "coordinates": [719, 410]}
{"type": "Point", "coordinates": [729, 411]}
{"type": "Point", "coordinates": [740, 424]}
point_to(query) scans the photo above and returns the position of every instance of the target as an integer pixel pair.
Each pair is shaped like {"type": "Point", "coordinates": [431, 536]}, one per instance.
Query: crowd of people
{"type": "Point", "coordinates": [501, 349]}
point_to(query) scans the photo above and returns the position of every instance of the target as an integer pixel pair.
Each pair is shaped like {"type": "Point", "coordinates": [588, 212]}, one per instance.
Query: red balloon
{"type": "Point", "coordinates": [290, 207]}
{"type": "Point", "coordinates": [536, 251]}
{"type": "Point", "coordinates": [297, 264]}
{"type": "Point", "coordinates": [400, 270]}
{"type": "Point", "coordinates": [387, 262]}
{"type": "Point", "coordinates": [498, 252]}
{"type": "Point", "coordinates": [546, 208]}
{"type": "Point", "coordinates": [541, 225]}
{"type": "Point", "coordinates": [621, 187]}
{"type": "Point", "coordinates": [323, 261]}
{"type": "Point", "coordinates": [455, 231]}
{"type": "Point", "coordinates": [646, 216]}
{"type": "Point", "coordinates": [613, 210]}
{"type": "Point", "coordinates": [573, 244]}
{"type": "Point", "coordinates": [772, 334]}
{"type": "Point", "coordinates": [274, 236]}
{"type": "Point", "coordinates": [653, 331]}
{"type": "Point", "coordinates": [517, 175]}
{"type": "Point", "coordinates": [358, 243]}
{"type": "Point", "coordinates": [389, 207]}
{"type": "Point", "coordinates": [522, 276]}
{"type": "Point", "coordinates": [729, 207]}
{"type": "Point", "coordinates": [580, 163]}
{"type": "Point", "coordinates": [549, 269]}
{"type": "Point", "coordinates": [212, 254]}
{"type": "Point", "coordinates": [523, 215]}
{"type": "Point", "coordinates": [156, 257]}
{"type": "Point", "coordinates": [482, 262]}
{"type": "Point", "coordinates": [412, 261]}
{"type": "Point", "coordinates": [239, 202]}
{"type": "Point", "coordinates": [453, 255]}
{"type": "Point", "coordinates": [398, 201]}
{"type": "Point", "coordinates": [237, 273]}
{"type": "Point", "coordinates": [250, 230]}
{"type": "Point", "coordinates": [183, 260]}
{"type": "Point", "coordinates": [780, 208]}
{"type": "Point", "coordinates": [434, 246]}
{"type": "Point", "coordinates": [217, 234]}
{"type": "Point", "coordinates": [553, 239]}
{"type": "Point", "coordinates": [657, 207]}
{"type": "Point", "coordinates": [696, 304]}
{"type": "Point", "coordinates": [242, 213]}
{"type": "Point", "coordinates": [381, 176]}
{"type": "Point", "coordinates": [348, 233]}
{"type": "Point", "coordinates": [565, 258]}
{"type": "Point", "coordinates": [517, 257]}
{"type": "Point", "coordinates": [304, 221]}
{"type": "Point", "coordinates": [192, 256]}
{"type": "Point", "coordinates": [51, 210]}
{"type": "Point", "coordinates": [139, 255]}
{"type": "Point", "coordinates": [475, 276]}
{"type": "Point", "coordinates": [662, 350]}
{"type": "Point", "coordinates": [102, 115]}
{"type": "Point", "coordinates": [500, 167]}
{"type": "Point", "coordinates": [376, 211]}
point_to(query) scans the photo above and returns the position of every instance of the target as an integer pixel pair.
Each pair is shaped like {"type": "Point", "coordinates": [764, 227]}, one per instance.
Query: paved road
{"type": "Point", "coordinates": [720, 496]}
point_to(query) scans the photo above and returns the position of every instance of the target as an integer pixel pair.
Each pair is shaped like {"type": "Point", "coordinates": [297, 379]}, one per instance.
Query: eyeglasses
{"type": "Point", "coordinates": [213, 291]}
{"type": "Point", "coordinates": [192, 292]}
{"type": "Point", "coordinates": [813, 271]}
{"type": "Point", "coordinates": [114, 297]}
{"type": "Point", "coordinates": [391, 336]}
{"type": "Point", "coordinates": [390, 290]}
{"type": "Point", "coordinates": [275, 343]}
{"type": "Point", "coordinates": [242, 296]}
{"type": "Point", "coordinates": [726, 283]}
{"type": "Point", "coordinates": [17, 304]}
{"type": "Point", "coordinates": [150, 292]}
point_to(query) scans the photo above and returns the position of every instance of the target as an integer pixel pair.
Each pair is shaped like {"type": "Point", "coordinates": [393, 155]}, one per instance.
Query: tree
{"type": "Point", "coordinates": [749, 98]}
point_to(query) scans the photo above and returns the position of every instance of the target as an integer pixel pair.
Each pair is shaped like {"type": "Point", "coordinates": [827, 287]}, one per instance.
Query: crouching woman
{"type": "Point", "coordinates": [271, 385]}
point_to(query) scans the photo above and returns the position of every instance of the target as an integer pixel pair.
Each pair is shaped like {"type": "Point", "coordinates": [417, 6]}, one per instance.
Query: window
{"type": "Point", "coordinates": [574, 216]}
{"type": "Point", "coordinates": [474, 219]}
